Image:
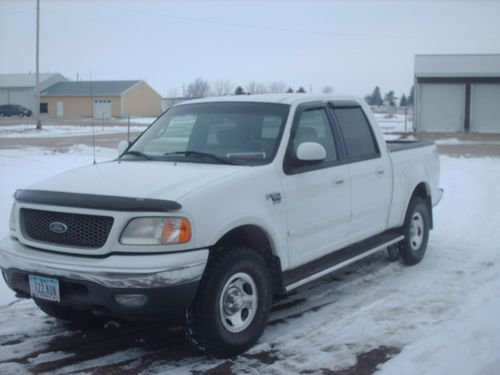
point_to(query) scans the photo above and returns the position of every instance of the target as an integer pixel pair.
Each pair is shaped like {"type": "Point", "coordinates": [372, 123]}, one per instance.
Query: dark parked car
{"type": "Point", "coordinates": [14, 110]}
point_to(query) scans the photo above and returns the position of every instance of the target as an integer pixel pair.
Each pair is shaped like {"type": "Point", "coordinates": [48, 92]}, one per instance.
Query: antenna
{"type": "Point", "coordinates": [128, 129]}
{"type": "Point", "coordinates": [92, 110]}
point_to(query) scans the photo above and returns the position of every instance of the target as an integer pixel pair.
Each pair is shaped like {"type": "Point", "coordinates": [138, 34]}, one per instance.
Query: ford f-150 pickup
{"type": "Point", "coordinates": [218, 206]}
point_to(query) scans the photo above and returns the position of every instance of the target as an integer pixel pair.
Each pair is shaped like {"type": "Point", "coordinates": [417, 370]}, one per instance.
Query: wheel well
{"type": "Point", "coordinates": [255, 238]}
{"type": "Point", "coordinates": [422, 191]}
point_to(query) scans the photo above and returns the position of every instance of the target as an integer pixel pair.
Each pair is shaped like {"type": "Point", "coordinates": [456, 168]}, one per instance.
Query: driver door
{"type": "Point", "coordinates": [317, 195]}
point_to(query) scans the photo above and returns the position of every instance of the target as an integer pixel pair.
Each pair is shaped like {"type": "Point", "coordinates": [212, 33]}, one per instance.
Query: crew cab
{"type": "Point", "coordinates": [220, 205]}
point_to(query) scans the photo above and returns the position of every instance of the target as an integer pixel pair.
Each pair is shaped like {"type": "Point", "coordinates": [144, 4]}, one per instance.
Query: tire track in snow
{"type": "Point", "coordinates": [133, 348]}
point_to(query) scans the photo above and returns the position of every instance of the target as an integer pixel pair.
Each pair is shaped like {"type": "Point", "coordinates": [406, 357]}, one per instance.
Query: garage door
{"type": "Point", "coordinates": [18, 96]}
{"type": "Point", "coordinates": [102, 108]}
{"type": "Point", "coordinates": [485, 108]}
{"type": "Point", "coordinates": [441, 107]}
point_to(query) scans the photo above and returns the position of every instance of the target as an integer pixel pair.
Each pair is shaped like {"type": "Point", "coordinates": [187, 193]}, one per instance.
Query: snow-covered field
{"type": "Point", "coordinates": [49, 131]}
{"type": "Point", "coordinates": [395, 123]}
{"type": "Point", "coordinates": [139, 120]}
{"type": "Point", "coordinates": [442, 313]}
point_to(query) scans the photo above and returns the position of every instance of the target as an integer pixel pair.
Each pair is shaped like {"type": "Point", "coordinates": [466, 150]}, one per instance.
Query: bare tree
{"type": "Point", "coordinates": [277, 87]}
{"type": "Point", "coordinates": [173, 93]}
{"type": "Point", "coordinates": [222, 87]}
{"type": "Point", "coordinates": [328, 90]}
{"type": "Point", "coordinates": [254, 87]}
{"type": "Point", "coordinates": [199, 88]}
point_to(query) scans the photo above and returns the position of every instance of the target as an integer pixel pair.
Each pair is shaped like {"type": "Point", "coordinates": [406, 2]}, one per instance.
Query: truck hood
{"type": "Point", "coordinates": [137, 179]}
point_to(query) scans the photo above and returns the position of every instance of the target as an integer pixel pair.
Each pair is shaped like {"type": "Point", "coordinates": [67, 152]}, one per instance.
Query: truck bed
{"type": "Point", "coordinates": [400, 145]}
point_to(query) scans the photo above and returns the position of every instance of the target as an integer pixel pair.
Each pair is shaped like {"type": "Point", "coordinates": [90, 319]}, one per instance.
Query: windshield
{"type": "Point", "coordinates": [222, 133]}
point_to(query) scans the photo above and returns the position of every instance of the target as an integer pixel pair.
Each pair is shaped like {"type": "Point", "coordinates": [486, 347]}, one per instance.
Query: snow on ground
{"type": "Point", "coordinates": [465, 283]}
{"type": "Point", "coordinates": [29, 130]}
{"type": "Point", "coordinates": [443, 313]}
{"type": "Point", "coordinates": [456, 141]}
{"type": "Point", "coordinates": [139, 120]}
{"type": "Point", "coordinates": [393, 124]}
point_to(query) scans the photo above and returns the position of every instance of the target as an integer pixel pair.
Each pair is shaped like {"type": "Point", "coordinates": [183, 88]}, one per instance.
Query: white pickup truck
{"type": "Point", "coordinates": [218, 206]}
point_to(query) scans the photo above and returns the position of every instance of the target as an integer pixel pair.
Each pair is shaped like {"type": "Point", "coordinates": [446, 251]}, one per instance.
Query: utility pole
{"type": "Point", "coordinates": [37, 104]}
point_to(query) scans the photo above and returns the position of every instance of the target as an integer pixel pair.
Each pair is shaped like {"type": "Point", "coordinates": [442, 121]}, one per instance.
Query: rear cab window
{"type": "Point", "coordinates": [359, 140]}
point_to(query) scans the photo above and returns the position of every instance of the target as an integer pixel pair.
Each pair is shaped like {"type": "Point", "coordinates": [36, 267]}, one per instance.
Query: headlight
{"type": "Point", "coordinates": [156, 231]}
{"type": "Point", "coordinates": [12, 219]}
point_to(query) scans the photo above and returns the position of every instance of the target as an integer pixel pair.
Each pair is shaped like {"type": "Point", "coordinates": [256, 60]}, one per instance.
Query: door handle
{"type": "Point", "coordinates": [339, 182]}
{"type": "Point", "coordinates": [379, 172]}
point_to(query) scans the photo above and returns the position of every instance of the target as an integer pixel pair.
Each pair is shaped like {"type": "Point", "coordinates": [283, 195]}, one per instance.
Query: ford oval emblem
{"type": "Point", "coordinates": [58, 227]}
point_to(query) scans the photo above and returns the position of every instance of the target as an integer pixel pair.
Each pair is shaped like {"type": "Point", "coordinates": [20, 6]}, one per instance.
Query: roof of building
{"type": "Point", "coordinates": [24, 79]}
{"type": "Point", "coordinates": [464, 65]}
{"type": "Point", "coordinates": [290, 99]}
{"type": "Point", "coordinates": [86, 88]}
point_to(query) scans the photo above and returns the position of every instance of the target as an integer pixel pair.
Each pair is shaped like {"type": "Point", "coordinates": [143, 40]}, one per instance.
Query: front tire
{"type": "Point", "coordinates": [233, 303]}
{"type": "Point", "coordinates": [416, 232]}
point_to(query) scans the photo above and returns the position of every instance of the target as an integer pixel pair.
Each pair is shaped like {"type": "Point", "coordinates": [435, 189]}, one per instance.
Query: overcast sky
{"type": "Point", "coordinates": [350, 45]}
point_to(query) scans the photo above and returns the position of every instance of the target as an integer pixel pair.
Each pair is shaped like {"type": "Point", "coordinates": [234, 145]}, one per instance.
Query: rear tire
{"type": "Point", "coordinates": [61, 312]}
{"type": "Point", "coordinates": [416, 231]}
{"type": "Point", "coordinates": [233, 303]}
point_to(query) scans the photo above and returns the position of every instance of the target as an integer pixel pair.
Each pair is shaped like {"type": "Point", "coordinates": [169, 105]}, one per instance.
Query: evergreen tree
{"type": "Point", "coordinates": [301, 90]}
{"type": "Point", "coordinates": [410, 99]}
{"type": "Point", "coordinates": [390, 99]}
{"type": "Point", "coordinates": [375, 98]}
{"type": "Point", "coordinates": [403, 102]}
{"type": "Point", "coordinates": [239, 91]}
{"type": "Point", "coordinates": [290, 90]}
{"type": "Point", "coordinates": [328, 90]}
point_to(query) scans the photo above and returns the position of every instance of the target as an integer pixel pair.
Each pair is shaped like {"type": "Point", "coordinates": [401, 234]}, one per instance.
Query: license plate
{"type": "Point", "coordinates": [44, 288]}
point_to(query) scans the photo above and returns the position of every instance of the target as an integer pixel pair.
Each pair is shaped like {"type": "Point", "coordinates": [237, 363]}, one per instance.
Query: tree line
{"type": "Point", "coordinates": [389, 99]}
{"type": "Point", "coordinates": [200, 88]}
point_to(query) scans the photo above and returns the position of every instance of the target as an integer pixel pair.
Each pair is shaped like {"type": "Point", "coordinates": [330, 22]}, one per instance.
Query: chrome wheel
{"type": "Point", "coordinates": [416, 231]}
{"type": "Point", "coordinates": [238, 302]}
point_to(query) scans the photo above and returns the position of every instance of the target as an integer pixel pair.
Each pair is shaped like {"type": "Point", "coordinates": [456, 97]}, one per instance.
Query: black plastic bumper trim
{"type": "Point", "coordinates": [81, 294]}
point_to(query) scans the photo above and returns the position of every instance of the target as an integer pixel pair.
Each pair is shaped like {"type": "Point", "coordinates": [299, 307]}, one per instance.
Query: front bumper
{"type": "Point", "coordinates": [169, 281]}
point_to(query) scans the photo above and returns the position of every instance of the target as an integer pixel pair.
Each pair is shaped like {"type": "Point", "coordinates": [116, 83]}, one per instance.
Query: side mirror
{"type": "Point", "coordinates": [122, 146]}
{"type": "Point", "coordinates": [311, 152]}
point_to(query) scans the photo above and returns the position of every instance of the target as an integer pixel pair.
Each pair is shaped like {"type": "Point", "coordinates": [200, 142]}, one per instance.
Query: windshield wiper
{"type": "Point", "coordinates": [200, 155]}
{"type": "Point", "coordinates": [137, 153]}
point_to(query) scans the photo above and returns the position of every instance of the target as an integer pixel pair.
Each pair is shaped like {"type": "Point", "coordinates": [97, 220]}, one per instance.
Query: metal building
{"type": "Point", "coordinates": [457, 93]}
{"type": "Point", "coordinates": [20, 88]}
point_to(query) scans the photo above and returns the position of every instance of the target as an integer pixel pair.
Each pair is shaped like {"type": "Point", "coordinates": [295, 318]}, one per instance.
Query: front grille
{"type": "Point", "coordinates": [90, 231]}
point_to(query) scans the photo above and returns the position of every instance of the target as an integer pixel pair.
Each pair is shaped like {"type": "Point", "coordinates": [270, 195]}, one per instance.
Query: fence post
{"type": "Point", "coordinates": [406, 117]}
